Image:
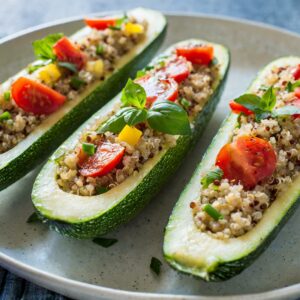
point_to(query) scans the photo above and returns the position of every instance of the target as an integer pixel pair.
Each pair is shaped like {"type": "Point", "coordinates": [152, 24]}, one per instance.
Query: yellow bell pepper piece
{"type": "Point", "coordinates": [95, 67]}
{"type": "Point", "coordinates": [49, 74]}
{"type": "Point", "coordinates": [131, 28]}
{"type": "Point", "coordinates": [130, 135]}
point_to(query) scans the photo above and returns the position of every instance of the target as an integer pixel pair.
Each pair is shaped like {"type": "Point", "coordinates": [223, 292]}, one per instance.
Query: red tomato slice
{"type": "Point", "coordinates": [238, 108]}
{"type": "Point", "coordinates": [66, 51]}
{"type": "Point", "coordinates": [35, 97]}
{"type": "Point", "coordinates": [296, 72]}
{"type": "Point", "coordinates": [105, 159]}
{"type": "Point", "coordinates": [100, 24]}
{"type": "Point", "coordinates": [247, 160]}
{"type": "Point", "coordinates": [201, 55]}
{"type": "Point", "coordinates": [178, 69]}
{"type": "Point", "coordinates": [158, 89]}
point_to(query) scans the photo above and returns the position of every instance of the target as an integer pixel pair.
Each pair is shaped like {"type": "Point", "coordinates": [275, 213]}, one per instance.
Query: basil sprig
{"type": "Point", "coordinates": [211, 176]}
{"type": "Point", "coordinates": [263, 107]}
{"type": "Point", "coordinates": [164, 116]}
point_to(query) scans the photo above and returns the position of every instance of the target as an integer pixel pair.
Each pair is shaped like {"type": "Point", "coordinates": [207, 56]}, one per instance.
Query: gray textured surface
{"type": "Point", "coordinates": [16, 15]}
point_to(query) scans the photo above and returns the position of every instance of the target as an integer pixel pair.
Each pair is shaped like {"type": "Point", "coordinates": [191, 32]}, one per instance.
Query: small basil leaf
{"type": "Point", "coordinates": [43, 48]}
{"type": "Point", "coordinates": [259, 115]}
{"type": "Point", "coordinates": [168, 117]}
{"type": "Point", "coordinates": [133, 94]}
{"type": "Point", "coordinates": [105, 242]}
{"type": "Point", "coordinates": [71, 67]}
{"type": "Point", "coordinates": [134, 116]}
{"type": "Point", "coordinates": [268, 99]}
{"type": "Point", "coordinates": [250, 101]}
{"type": "Point", "coordinates": [286, 110]}
{"type": "Point", "coordinates": [155, 265]}
{"type": "Point", "coordinates": [211, 176]}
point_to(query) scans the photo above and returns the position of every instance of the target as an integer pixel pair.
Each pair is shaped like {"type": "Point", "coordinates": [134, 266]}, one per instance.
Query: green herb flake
{"type": "Point", "coordinates": [185, 103]}
{"type": "Point", "coordinates": [7, 96]}
{"type": "Point", "coordinates": [69, 66]}
{"type": "Point", "coordinates": [33, 218]}
{"type": "Point", "coordinates": [43, 48]}
{"type": "Point", "coordinates": [105, 242]}
{"type": "Point", "coordinates": [76, 83]}
{"type": "Point", "coordinates": [155, 265]}
{"type": "Point", "coordinates": [101, 190]}
{"type": "Point", "coordinates": [99, 49]}
{"type": "Point", "coordinates": [88, 148]}
{"type": "Point", "coordinates": [211, 176]}
{"type": "Point", "coordinates": [133, 94]}
{"type": "Point", "coordinates": [211, 211]}
{"type": "Point", "coordinates": [5, 116]}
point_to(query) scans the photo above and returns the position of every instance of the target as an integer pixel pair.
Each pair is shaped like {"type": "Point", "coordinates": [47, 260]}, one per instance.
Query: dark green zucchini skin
{"type": "Point", "coordinates": [51, 139]}
{"type": "Point", "coordinates": [149, 186]}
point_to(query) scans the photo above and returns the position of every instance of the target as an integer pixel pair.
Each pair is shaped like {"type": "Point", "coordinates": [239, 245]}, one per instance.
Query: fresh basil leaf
{"type": "Point", "coordinates": [268, 100]}
{"type": "Point", "coordinates": [286, 110]}
{"type": "Point", "coordinates": [133, 94]}
{"type": "Point", "coordinates": [211, 176]}
{"type": "Point", "coordinates": [291, 86]}
{"type": "Point", "coordinates": [105, 242]}
{"type": "Point", "coordinates": [250, 101]}
{"type": "Point", "coordinates": [43, 48]}
{"type": "Point", "coordinates": [133, 116]}
{"type": "Point", "coordinates": [260, 115]}
{"type": "Point", "coordinates": [168, 117]}
{"type": "Point", "coordinates": [71, 67]}
{"type": "Point", "coordinates": [33, 218]}
{"type": "Point", "coordinates": [155, 265]}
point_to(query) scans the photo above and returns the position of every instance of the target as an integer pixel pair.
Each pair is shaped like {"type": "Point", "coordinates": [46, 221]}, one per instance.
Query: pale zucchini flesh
{"type": "Point", "coordinates": [191, 251]}
{"type": "Point", "coordinates": [46, 137]}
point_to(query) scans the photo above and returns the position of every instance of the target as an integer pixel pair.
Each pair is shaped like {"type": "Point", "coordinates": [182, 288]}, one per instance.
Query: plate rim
{"type": "Point", "coordinates": [37, 276]}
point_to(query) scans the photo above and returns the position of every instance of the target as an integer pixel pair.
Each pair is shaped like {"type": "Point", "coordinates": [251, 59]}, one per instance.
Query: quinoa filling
{"type": "Point", "coordinates": [193, 92]}
{"type": "Point", "coordinates": [102, 49]}
{"type": "Point", "coordinates": [241, 209]}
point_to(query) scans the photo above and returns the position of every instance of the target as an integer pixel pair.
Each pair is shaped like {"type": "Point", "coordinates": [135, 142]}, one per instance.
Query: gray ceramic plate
{"type": "Point", "coordinates": [83, 270]}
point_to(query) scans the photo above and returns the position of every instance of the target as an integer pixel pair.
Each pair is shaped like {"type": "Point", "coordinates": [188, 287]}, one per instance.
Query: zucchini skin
{"type": "Point", "coordinates": [132, 204]}
{"type": "Point", "coordinates": [52, 138]}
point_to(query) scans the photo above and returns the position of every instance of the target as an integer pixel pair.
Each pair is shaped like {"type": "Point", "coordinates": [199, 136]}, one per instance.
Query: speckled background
{"type": "Point", "coordinates": [16, 15]}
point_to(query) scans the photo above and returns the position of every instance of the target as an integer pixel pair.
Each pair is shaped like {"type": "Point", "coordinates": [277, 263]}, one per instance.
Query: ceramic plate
{"type": "Point", "coordinates": [83, 270]}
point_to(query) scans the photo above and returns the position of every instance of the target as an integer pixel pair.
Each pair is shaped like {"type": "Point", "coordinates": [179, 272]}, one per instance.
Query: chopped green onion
{"type": "Point", "coordinates": [185, 103]}
{"type": "Point", "coordinates": [76, 83]}
{"type": "Point", "coordinates": [7, 96]}
{"type": "Point", "coordinates": [88, 148]}
{"type": "Point", "coordinates": [5, 116]}
{"type": "Point", "coordinates": [211, 176]}
{"type": "Point", "coordinates": [210, 210]}
{"type": "Point", "coordinates": [155, 265]}
{"type": "Point", "coordinates": [104, 242]}
{"type": "Point", "coordinates": [101, 190]}
{"type": "Point", "coordinates": [99, 49]}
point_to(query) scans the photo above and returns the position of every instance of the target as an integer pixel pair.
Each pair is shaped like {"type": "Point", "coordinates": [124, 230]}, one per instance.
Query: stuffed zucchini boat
{"type": "Point", "coordinates": [247, 184]}
{"type": "Point", "coordinates": [113, 164]}
{"type": "Point", "coordinates": [72, 78]}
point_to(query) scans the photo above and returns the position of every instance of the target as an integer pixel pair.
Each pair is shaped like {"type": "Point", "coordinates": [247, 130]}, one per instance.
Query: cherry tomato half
{"type": "Point", "coordinates": [158, 89]}
{"type": "Point", "coordinates": [66, 51]}
{"type": "Point", "coordinates": [296, 72]}
{"type": "Point", "coordinates": [238, 108]}
{"type": "Point", "coordinates": [201, 55]}
{"type": "Point", "coordinates": [247, 160]}
{"type": "Point", "coordinates": [105, 159]}
{"type": "Point", "coordinates": [35, 97]}
{"type": "Point", "coordinates": [100, 24]}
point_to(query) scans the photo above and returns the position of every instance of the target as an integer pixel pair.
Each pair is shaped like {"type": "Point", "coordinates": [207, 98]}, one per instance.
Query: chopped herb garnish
{"type": "Point", "coordinates": [290, 87]}
{"type": "Point", "coordinates": [101, 190]}
{"type": "Point", "coordinates": [76, 83]}
{"type": "Point", "coordinates": [88, 148]}
{"type": "Point", "coordinates": [71, 67]}
{"type": "Point", "coordinates": [99, 49]}
{"type": "Point", "coordinates": [185, 103]}
{"type": "Point", "coordinates": [33, 218]}
{"type": "Point", "coordinates": [210, 210]}
{"type": "Point", "coordinates": [5, 116]}
{"type": "Point", "coordinates": [105, 242]}
{"type": "Point", "coordinates": [211, 176]}
{"type": "Point", "coordinates": [155, 265]}
{"type": "Point", "coordinates": [43, 48]}
{"type": "Point", "coordinates": [7, 96]}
